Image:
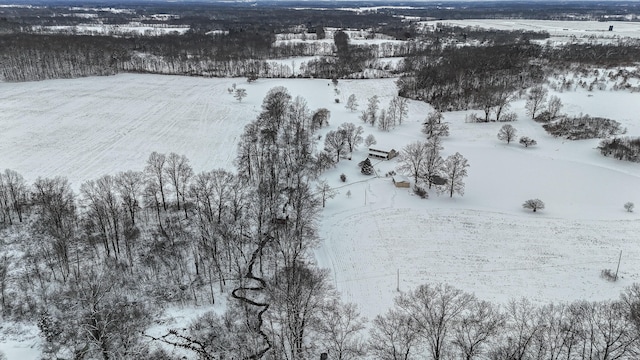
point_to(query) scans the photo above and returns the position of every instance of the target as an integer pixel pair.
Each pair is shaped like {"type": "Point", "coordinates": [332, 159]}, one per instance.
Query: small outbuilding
{"type": "Point", "coordinates": [382, 153]}
{"type": "Point", "coordinates": [401, 181]}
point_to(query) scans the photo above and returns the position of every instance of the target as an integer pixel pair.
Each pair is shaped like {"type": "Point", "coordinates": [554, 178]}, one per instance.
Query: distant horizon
{"type": "Point", "coordinates": [361, 2]}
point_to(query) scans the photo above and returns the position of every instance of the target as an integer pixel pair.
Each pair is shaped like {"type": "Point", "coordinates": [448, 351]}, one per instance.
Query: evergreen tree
{"type": "Point", "coordinates": [367, 167]}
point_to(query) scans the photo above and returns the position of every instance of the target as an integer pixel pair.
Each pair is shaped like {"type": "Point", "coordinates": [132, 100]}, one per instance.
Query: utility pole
{"type": "Point", "coordinates": [398, 282]}
{"type": "Point", "coordinates": [618, 268]}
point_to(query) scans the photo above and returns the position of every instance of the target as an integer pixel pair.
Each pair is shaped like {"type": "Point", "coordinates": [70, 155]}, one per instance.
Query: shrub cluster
{"type": "Point", "coordinates": [625, 148]}
{"type": "Point", "coordinates": [584, 127]}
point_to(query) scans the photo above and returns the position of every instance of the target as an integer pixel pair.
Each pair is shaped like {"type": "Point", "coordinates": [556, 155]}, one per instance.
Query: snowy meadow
{"type": "Point", "coordinates": [375, 240]}
{"type": "Point", "coordinates": [380, 237]}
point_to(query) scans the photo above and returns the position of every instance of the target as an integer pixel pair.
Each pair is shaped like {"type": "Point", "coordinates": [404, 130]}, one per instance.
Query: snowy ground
{"type": "Point", "coordinates": [559, 31]}
{"type": "Point", "coordinates": [85, 128]}
{"type": "Point", "coordinates": [483, 242]}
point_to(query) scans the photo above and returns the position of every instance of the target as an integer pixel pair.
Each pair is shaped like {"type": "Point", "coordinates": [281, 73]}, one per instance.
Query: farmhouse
{"type": "Point", "coordinates": [382, 153]}
{"type": "Point", "coordinates": [401, 181]}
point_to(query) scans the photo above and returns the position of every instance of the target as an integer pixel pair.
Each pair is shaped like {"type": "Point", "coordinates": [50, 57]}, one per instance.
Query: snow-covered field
{"type": "Point", "coordinates": [483, 242]}
{"type": "Point", "coordinates": [560, 31]}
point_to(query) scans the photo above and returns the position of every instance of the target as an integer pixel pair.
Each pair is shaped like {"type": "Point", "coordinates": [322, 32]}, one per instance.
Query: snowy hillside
{"type": "Point", "coordinates": [483, 242]}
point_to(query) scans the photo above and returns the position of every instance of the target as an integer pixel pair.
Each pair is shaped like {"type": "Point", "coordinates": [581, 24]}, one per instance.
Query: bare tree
{"type": "Point", "coordinates": [393, 336]}
{"type": "Point", "coordinates": [364, 116]}
{"type": "Point", "coordinates": [320, 118]}
{"type": "Point", "coordinates": [412, 159]}
{"type": "Point", "coordinates": [608, 331]}
{"type": "Point", "coordinates": [372, 110]}
{"type": "Point", "coordinates": [434, 310]}
{"type": "Point", "coordinates": [533, 204]}
{"type": "Point", "coordinates": [370, 140]}
{"type": "Point", "coordinates": [455, 169]}
{"type": "Point", "coordinates": [502, 102]}
{"type": "Point", "coordinates": [179, 172]}
{"type": "Point", "coordinates": [339, 326]}
{"type": "Point", "coordinates": [477, 326]}
{"type": "Point", "coordinates": [433, 125]}
{"type": "Point", "coordinates": [489, 98]}
{"type": "Point", "coordinates": [296, 296]}
{"type": "Point", "coordinates": [554, 107]}
{"type": "Point", "coordinates": [326, 192]}
{"type": "Point", "coordinates": [629, 206]}
{"type": "Point", "coordinates": [101, 322]}
{"type": "Point", "coordinates": [434, 164]}
{"type": "Point", "coordinates": [507, 133]}
{"type": "Point", "coordinates": [384, 120]}
{"type": "Point", "coordinates": [14, 194]}
{"type": "Point", "coordinates": [335, 143]}
{"type": "Point", "coordinates": [55, 208]}
{"type": "Point", "coordinates": [130, 185]}
{"type": "Point", "coordinates": [397, 110]}
{"type": "Point", "coordinates": [535, 100]}
{"type": "Point", "coordinates": [559, 336]}
{"type": "Point", "coordinates": [352, 134]}
{"type": "Point", "coordinates": [5, 265]}
{"type": "Point", "coordinates": [155, 172]}
{"type": "Point", "coordinates": [401, 106]}
{"type": "Point", "coordinates": [352, 103]}
{"type": "Point", "coordinates": [527, 141]}
{"type": "Point", "coordinates": [518, 338]}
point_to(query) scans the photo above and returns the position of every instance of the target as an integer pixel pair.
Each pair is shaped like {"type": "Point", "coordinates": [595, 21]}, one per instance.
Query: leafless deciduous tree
{"type": "Point", "coordinates": [536, 100]}
{"type": "Point", "coordinates": [352, 134]}
{"type": "Point", "coordinates": [533, 204]}
{"type": "Point", "coordinates": [14, 196]}
{"type": "Point", "coordinates": [106, 212]}
{"type": "Point", "coordinates": [156, 174]}
{"type": "Point", "coordinates": [434, 310]}
{"type": "Point", "coordinates": [554, 107]}
{"type": "Point", "coordinates": [296, 297]}
{"type": "Point", "coordinates": [325, 191]}
{"type": "Point", "coordinates": [412, 159]}
{"type": "Point", "coordinates": [385, 122]}
{"type": "Point", "coordinates": [522, 328]}
{"type": "Point", "coordinates": [335, 142]}
{"type": "Point", "coordinates": [55, 208]}
{"type": "Point", "coordinates": [130, 185]}
{"type": "Point", "coordinates": [101, 322]}
{"type": "Point", "coordinates": [178, 172]}
{"type": "Point", "coordinates": [393, 336]}
{"type": "Point", "coordinates": [527, 141]}
{"type": "Point", "coordinates": [629, 206]}
{"type": "Point", "coordinates": [339, 326]}
{"type": "Point", "coordinates": [371, 113]}
{"type": "Point", "coordinates": [433, 165]}
{"type": "Point", "coordinates": [507, 133]}
{"type": "Point", "coordinates": [370, 140]}
{"type": "Point", "coordinates": [476, 327]}
{"type": "Point", "coordinates": [434, 127]}
{"type": "Point", "coordinates": [320, 118]}
{"type": "Point", "coordinates": [398, 110]}
{"type": "Point", "coordinates": [352, 103]}
{"type": "Point", "coordinates": [455, 170]}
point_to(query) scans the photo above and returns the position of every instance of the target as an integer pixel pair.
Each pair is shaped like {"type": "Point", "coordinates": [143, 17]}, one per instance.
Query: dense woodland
{"type": "Point", "coordinates": [94, 269]}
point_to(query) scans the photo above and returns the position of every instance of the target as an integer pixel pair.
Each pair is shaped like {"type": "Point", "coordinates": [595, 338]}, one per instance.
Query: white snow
{"type": "Point", "coordinates": [559, 30]}
{"type": "Point", "coordinates": [482, 242]}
